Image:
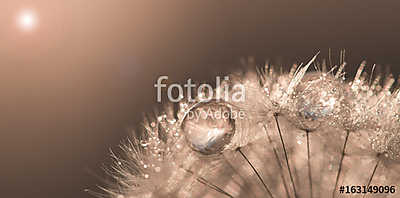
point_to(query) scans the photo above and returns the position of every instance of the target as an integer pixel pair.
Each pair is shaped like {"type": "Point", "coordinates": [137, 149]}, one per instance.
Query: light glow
{"type": "Point", "coordinates": [27, 20]}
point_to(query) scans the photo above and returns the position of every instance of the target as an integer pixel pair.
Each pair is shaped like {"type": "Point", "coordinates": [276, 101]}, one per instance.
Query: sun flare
{"type": "Point", "coordinates": [27, 20]}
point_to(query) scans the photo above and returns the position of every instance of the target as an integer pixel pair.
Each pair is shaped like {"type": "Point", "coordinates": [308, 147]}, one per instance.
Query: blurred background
{"type": "Point", "coordinates": [77, 74]}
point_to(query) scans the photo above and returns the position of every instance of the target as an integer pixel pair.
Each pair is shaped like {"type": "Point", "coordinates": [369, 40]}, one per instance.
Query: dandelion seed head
{"type": "Point", "coordinates": [317, 100]}
{"type": "Point", "coordinates": [168, 159]}
{"type": "Point", "coordinates": [394, 147]}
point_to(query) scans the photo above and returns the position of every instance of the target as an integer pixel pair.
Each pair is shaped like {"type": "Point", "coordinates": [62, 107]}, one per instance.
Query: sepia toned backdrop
{"type": "Point", "coordinates": [72, 87]}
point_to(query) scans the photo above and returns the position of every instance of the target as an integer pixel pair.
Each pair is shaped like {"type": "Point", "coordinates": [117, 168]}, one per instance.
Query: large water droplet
{"type": "Point", "coordinates": [209, 127]}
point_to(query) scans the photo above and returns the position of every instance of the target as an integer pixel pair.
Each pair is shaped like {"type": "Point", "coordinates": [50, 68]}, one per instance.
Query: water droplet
{"type": "Point", "coordinates": [143, 143]}
{"type": "Point", "coordinates": [209, 127]}
{"type": "Point", "coordinates": [318, 99]}
{"type": "Point", "coordinates": [298, 138]}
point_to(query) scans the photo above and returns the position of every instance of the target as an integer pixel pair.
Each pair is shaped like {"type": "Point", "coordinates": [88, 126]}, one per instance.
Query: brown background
{"type": "Point", "coordinates": [70, 89]}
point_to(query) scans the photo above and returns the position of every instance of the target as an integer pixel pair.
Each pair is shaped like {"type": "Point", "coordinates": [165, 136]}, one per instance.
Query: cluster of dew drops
{"type": "Point", "coordinates": [309, 99]}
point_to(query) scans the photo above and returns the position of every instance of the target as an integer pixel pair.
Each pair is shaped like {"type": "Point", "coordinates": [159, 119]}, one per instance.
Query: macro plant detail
{"type": "Point", "coordinates": [302, 133]}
